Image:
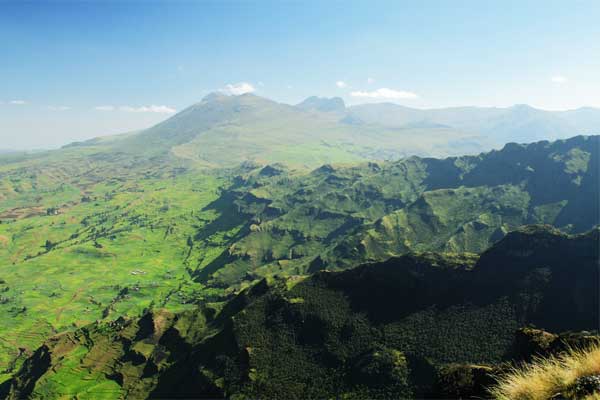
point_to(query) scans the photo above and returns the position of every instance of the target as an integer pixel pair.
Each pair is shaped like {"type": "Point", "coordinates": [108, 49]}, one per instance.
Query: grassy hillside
{"type": "Point", "coordinates": [387, 330]}
{"type": "Point", "coordinates": [79, 243]}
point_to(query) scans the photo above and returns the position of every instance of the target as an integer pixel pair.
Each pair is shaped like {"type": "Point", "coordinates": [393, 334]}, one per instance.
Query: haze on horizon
{"type": "Point", "coordinates": [72, 71]}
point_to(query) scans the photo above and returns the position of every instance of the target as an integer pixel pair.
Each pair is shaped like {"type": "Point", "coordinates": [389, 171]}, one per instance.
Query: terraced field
{"type": "Point", "coordinates": [97, 251]}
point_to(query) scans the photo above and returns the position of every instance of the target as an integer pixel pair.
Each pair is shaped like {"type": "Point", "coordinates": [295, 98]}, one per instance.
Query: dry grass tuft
{"type": "Point", "coordinates": [545, 378]}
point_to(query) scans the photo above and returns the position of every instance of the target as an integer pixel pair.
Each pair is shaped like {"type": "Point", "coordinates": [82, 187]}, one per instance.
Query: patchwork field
{"type": "Point", "coordinates": [112, 249]}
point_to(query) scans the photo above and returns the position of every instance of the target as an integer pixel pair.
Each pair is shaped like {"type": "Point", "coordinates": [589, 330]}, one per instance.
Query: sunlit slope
{"type": "Point", "coordinates": [74, 254]}
{"type": "Point", "coordinates": [226, 130]}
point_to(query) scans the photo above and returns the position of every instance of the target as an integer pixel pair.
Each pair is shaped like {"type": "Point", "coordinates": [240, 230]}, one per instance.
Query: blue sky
{"type": "Point", "coordinates": [74, 70]}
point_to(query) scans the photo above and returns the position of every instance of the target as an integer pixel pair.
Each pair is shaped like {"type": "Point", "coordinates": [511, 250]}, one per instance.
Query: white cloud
{"type": "Point", "coordinates": [104, 108]}
{"type": "Point", "coordinates": [18, 102]}
{"type": "Point", "coordinates": [152, 109]}
{"type": "Point", "coordinates": [341, 84]}
{"type": "Point", "coordinates": [370, 80]}
{"type": "Point", "coordinates": [559, 79]}
{"type": "Point", "coordinates": [385, 93]}
{"type": "Point", "coordinates": [58, 108]}
{"type": "Point", "coordinates": [236, 89]}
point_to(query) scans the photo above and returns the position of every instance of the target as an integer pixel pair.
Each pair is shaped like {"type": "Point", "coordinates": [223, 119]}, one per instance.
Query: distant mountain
{"type": "Point", "coordinates": [417, 326]}
{"type": "Point", "coordinates": [314, 103]}
{"type": "Point", "coordinates": [520, 123]}
{"type": "Point", "coordinates": [586, 119]}
{"type": "Point", "coordinates": [227, 130]}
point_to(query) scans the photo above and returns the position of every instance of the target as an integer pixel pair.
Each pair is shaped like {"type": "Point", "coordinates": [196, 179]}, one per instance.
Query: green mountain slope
{"type": "Point", "coordinates": [384, 330]}
{"type": "Point", "coordinates": [335, 216]}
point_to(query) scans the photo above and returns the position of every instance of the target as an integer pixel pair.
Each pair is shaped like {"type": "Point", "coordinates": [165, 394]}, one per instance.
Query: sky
{"type": "Point", "coordinates": [74, 70]}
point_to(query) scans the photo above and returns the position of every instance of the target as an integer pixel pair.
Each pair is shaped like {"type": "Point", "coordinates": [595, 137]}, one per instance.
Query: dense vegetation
{"type": "Point", "coordinates": [395, 329]}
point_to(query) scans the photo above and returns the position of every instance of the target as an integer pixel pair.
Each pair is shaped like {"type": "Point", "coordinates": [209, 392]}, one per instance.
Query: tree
{"type": "Point", "coordinates": [49, 245]}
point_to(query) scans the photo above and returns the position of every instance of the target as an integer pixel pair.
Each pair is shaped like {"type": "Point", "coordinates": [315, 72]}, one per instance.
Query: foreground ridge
{"type": "Point", "coordinates": [383, 330]}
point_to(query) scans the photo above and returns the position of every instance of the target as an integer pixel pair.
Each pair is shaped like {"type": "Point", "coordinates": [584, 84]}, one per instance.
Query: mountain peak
{"type": "Point", "coordinates": [220, 97]}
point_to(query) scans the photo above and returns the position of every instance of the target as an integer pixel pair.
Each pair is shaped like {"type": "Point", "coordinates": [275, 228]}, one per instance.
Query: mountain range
{"type": "Point", "coordinates": [225, 130]}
